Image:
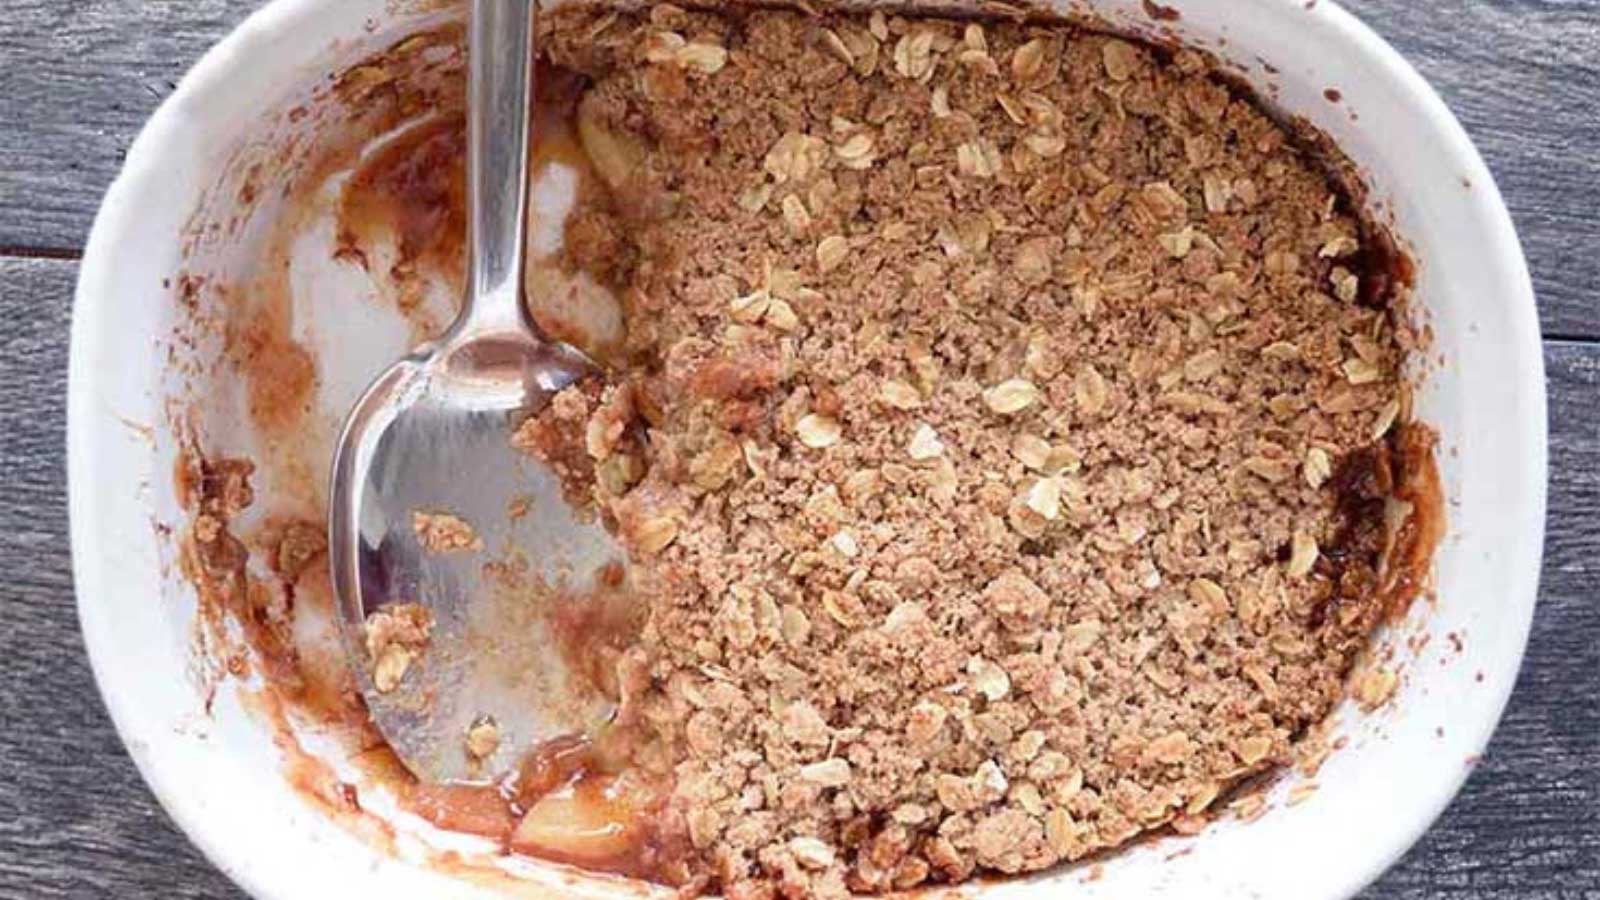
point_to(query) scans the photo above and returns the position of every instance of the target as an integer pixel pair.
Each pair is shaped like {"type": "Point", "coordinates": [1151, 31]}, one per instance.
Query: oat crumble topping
{"type": "Point", "coordinates": [986, 385]}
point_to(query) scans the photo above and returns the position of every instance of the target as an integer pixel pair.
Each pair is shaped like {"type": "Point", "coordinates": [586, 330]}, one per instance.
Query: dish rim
{"type": "Point", "coordinates": [212, 833]}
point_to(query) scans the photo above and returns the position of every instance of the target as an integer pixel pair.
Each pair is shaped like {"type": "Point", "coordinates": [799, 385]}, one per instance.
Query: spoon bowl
{"type": "Point", "coordinates": [432, 437]}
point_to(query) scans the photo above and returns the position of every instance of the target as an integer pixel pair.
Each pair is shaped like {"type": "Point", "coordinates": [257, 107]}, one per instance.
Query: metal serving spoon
{"type": "Point", "coordinates": [432, 434]}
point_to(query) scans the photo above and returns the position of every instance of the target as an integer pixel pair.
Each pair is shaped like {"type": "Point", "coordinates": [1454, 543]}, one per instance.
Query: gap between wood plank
{"type": "Point", "coordinates": [61, 253]}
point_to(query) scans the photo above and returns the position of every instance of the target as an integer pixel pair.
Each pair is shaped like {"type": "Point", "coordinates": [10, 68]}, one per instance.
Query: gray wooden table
{"type": "Point", "coordinates": [78, 79]}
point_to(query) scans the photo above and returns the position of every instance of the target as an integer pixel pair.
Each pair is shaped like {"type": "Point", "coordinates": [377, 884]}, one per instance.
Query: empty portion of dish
{"type": "Point", "coordinates": [1006, 423]}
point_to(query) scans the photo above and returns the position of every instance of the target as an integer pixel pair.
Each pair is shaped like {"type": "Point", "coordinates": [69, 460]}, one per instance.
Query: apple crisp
{"type": "Point", "coordinates": [1008, 440]}
{"type": "Point", "coordinates": [1006, 424]}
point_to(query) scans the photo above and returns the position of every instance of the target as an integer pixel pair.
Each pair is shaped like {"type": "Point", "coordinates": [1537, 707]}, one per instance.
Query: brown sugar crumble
{"type": "Point", "coordinates": [991, 389]}
{"type": "Point", "coordinates": [396, 636]}
{"type": "Point", "coordinates": [444, 532]}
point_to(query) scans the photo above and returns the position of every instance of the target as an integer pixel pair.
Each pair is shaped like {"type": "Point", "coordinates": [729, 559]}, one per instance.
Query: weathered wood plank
{"type": "Point", "coordinates": [75, 820]}
{"type": "Point", "coordinates": [1524, 75]}
{"type": "Point", "coordinates": [1524, 78]}
{"type": "Point", "coordinates": [77, 82]}
{"type": "Point", "coordinates": [1522, 825]}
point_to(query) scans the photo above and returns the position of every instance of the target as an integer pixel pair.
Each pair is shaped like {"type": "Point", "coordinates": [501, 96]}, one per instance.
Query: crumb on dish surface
{"type": "Point", "coordinates": [396, 637]}
{"type": "Point", "coordinates": [483, 738]}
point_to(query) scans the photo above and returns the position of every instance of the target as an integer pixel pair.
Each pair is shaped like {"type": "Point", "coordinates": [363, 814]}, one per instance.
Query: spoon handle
{"type": "Point", "coordinates": [499, 113]}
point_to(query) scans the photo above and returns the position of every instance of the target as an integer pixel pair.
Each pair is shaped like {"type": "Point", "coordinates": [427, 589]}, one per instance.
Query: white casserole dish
{"type": "Point", "coordinates": [217, 774]}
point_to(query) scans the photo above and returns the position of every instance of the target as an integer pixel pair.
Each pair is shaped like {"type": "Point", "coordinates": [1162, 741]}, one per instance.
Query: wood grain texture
{"type": "Point", "coordinates": [75, 819]}
{"type": "Point", "coordinates": [76, 82]}
{"type": "Point", "coordinates": [1523, 75]}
